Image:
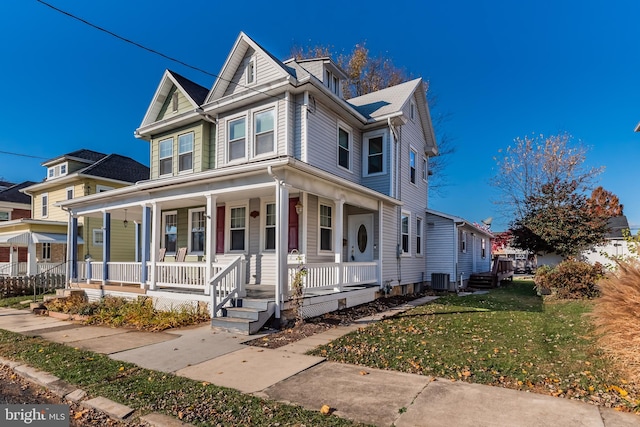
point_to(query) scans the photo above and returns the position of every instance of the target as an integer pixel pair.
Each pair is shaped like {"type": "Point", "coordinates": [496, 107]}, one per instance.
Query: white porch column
{"type": "Point", "coordinates": [302, 242]}
{"type": "Point", "coordinates": [13, 260]}
{"type": "Point", "coordinates": [282, 243]}
{"type": "Point", "coordinates": [106, 246]}
{"type": "Point", "coordinates": [337, 240]}
{"type": "Point", "coordinates": [380, 240]}
{"type": "Point", "coordinates": [156, 232]}
{"type": "Point", "coordinates": [145, 236]}
{"type": "Point", "coordinates": [210, 241]}
{"type": "Point", "coordinates": [32, 263]}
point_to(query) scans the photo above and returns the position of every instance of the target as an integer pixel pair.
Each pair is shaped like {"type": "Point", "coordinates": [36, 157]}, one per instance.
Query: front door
{"type": "Point", "coordinates": [360, 241]}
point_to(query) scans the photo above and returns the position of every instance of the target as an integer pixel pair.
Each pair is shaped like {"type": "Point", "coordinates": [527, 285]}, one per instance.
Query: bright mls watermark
{"type": "Point", "coordinates": [34, 415]}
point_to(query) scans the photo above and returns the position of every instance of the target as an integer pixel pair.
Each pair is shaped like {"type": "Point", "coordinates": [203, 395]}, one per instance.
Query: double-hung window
{"type": "Point", "coordinates": [418, 236]}
{"type": "Point", "coordinates": [4, 216]}
{"type": "Point", "coordinates": [326, 228]}
{"type": "Point", "coordinates": [46, 252]}
{"type": "Point", "coordinates": [236, 139]}
{"type": "Point", "coordinates": [98, 237]}
{"type": "Point", "coordinates": [374, 161]}
{"type": "Point", "coordinates": [270, 227]}
{"type": "Point", "coordinates": [45, 205]}
{"type": "Point", "coordinates": [344, 148]}
{"type": "Point", "coordinates": [264, 131]}
{"type": "Point", "coordinates": [238, 228]}
{"type": "Point", "coordinates": [69, 193]}
{"type": "Point", "coordinates": [170, 231]}
{"type": "Point", "coordinates": [185, 152]}
{"type": "Point", "coordinates": [404, 228]}
{"type": "Point", "coordinates": [197, 229]}
{"type": "Point", "coordinates": [166, 156]}
{"type": "Point", "coordinates": [412, 166]}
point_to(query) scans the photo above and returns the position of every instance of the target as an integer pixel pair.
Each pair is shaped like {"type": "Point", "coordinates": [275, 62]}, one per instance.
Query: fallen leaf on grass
{"type": "Point", "coordinates": [325, 410]}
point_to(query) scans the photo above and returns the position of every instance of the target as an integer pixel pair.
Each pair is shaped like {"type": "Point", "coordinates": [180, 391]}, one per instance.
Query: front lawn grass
{"type": "Point", "coordinates": [197, 403]}
{"type": "Point", "coordinates": [15, 302]}
{"type": "Point", "coordinates": [509, 337]}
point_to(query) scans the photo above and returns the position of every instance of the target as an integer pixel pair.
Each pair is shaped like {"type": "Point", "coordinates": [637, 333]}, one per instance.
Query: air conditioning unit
{"type": "Point", "coordinates": [440, 281]}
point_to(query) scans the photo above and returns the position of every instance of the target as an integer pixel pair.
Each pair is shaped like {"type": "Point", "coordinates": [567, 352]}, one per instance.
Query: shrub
{"type": "Point", "coordinates": [73, 304]}
{"type": "Point", "coordinates": [570, 279]}
{"type": "Point", "coordinates": [617, 317]}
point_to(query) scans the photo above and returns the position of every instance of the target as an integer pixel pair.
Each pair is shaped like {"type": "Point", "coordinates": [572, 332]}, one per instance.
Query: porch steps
{"type": "Point", "coordinates": [247, 317]}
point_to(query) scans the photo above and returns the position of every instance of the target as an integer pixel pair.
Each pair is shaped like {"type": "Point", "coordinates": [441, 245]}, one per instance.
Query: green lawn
{"type": "Point", "coordinates": [508, 338]}
{"type": "Point", "coordinates": [197, 403]}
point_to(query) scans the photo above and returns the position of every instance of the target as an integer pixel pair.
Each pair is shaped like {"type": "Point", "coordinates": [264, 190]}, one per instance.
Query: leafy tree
{"type": "Point", "coordinates": [559, 219]}
{"type": "Point", "coordinates": [532, 162]}
{"type": "Point", "coordinates": [604, 202]}
{"type": "Point", "coordinates": [367, 73]}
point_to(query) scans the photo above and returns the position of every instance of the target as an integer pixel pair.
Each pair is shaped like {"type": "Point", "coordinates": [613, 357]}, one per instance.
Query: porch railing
{"type": "Point", "coordinates": [52, 267]}
{"type": "Point", "coordinates": [184, 275]}
{"type": "Point", "coordinates": [20, 268]}
{"type": "Point", "coordinates": [327, 275]}
{"type": "Point", "coordinates": [226, 284]}
{"type": "Point", "coordinates": [125, 272]}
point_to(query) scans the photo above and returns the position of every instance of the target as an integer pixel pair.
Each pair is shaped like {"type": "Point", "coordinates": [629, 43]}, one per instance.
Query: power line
{"type": "Point", "coordinates": [148, 49]}
{"type": "Point", "coordinates": [23, 155]}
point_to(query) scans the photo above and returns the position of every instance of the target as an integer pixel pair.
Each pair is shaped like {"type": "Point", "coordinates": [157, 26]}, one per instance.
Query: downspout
{"type": "Point", "coordinates": [393, 164]}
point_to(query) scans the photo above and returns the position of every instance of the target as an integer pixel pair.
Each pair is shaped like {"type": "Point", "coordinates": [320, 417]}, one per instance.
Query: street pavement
{"type": "Point", "coordinates": [372, 396]}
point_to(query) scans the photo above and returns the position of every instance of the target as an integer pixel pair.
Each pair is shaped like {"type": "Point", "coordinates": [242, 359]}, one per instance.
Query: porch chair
{"type": "Point", "coordinates": [161, 254]}
{"type": "Point", "coordinates": [181, 255]}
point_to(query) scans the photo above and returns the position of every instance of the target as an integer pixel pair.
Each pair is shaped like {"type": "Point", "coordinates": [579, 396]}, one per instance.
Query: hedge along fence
{"type": "Point", "coordinates": [30, 285]}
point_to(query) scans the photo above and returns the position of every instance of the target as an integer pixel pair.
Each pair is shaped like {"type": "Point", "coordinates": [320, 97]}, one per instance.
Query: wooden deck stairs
{"type": "Point", "coordinates": [502, 269]}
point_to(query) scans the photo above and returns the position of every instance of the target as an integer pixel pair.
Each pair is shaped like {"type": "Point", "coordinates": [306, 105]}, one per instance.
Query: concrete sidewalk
{"type": "Point", "coordinates": [362, 394]}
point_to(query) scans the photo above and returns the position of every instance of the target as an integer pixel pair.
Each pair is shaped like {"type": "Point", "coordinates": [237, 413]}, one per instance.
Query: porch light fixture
{"type": "Point", "coordinates": [125, 222]}
{"type": "Point", "coordinates": [299, 208]}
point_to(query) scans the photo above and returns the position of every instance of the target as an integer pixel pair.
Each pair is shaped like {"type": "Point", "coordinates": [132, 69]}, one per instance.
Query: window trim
{"type": "Point", "coordinates": [8, 212]}
{"type": "Point", "coordinates": [413, 169]}
{"type": "Point", "coordinates": [164, 230]}
{"type": "Point", "coordinates": [230, 120]}
{"type": "Point", "coordinates": [95, 233]}
{"type": "Point", "coordinates": [193, 138]}
{"type": "Point", "coordinates": [254, 134]}
{"type": "Point", "coordinates": [330, 205]}
{"type": "Point", "coordinates": [175, 102]}
{"type": "Point", "coordinates": [251, 72]}
{"type": "Point", "coordinates": [44, 209]}
{"type": "Point", "coordinates": [412, 110]}
{"type": "Point", "coordinates": [45, 250]}
{"type": "Point", "coordinates": [69, 190]}
{"type": "Point", "coordinates": [264, 202]}
{"type": "Point", "coordinates": [365, 153]}
{"type": "Point", "coordinates": [405, 214]}
{"type": "Point", "coordinates": [102, 188]}
{"type": "Point", "coordinates": [160, 158]}
{"type": "Point", "coordinates": [483, 248]}
{"type": "Point", "coordinates": [349, 131]}
{"type": "Point", "coordinates": [419, 234]}
{"type": "Point", "coordinates": [190, 229]}
{"type": "Point", "coordinates": [228, 208]}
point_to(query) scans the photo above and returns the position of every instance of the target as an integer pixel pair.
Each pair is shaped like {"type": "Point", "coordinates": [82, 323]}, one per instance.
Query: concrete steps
{"type": "Point", "coordinates": [247, 317]}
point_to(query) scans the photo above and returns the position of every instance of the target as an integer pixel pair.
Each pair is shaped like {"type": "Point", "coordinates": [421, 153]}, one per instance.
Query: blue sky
{"type": "Point", "coordinates": [502, 69]}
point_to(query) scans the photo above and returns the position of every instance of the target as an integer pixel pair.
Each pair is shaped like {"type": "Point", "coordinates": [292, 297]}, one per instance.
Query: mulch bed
{"type": "Point", "coordinates": [291, 333]}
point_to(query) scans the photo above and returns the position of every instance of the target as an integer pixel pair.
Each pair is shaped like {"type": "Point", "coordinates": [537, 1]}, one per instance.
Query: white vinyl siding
{"type": "Point", "coordinates": [265, 71]}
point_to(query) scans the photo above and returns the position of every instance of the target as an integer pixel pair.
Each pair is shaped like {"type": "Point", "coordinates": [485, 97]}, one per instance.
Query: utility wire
{"type": "Point", "coordinates": [22, 155]}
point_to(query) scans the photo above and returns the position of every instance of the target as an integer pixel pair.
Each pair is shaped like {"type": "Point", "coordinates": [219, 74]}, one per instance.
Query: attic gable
{"type": "Point", "coordinates": [248, 65]}
{"type": "Point", "coordinates": [175, 95]}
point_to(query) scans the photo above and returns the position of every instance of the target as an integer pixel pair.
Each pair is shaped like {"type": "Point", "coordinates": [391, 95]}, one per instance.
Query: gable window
{"type": "Point", "coordinates": [98, 237]}
{"type": "Point", "coordinates": [264, 127]}
{"type": "Point", "coordinates": [270, 227]}
{"type": "Point", "coordinates": [174, 101]}
{"type": "Point", "coordinates": [326, 228]}
{"type": "Point", "coordinates": [46, 252]}
{"type": "Point", "coordinates": [344, 148]}
{"type": "Point", "coordinates": [236, 138]}
{"type": "Point", "coordinates": [251, 71]}
{"type": "Point", "coordinates": [424, 169]}
{"type": "Point", "coordinates": [418, 236]}
{"type": "Point", "coordinates": [185, 152]}
{"type": "Point", "coordinates": [412, 166]}
{"type": "Point", "coordinates": [412, 110]}
{"type": "Point", "coordinates": [374, 161]}
{"type": "Point", "coordinates": [69, 193]}
{"type": "Point", "coordinates": [237, 228]}
{"type": "Point", "coordinates": [170, 231]}
{"type": "Point", "coordinates": [197, 229]}
{"type": "Point", "coordinates": [463, 242]}
{"type": "Point", "coordinates": [404, 232]}
{"type": "Point", "coordinates": [166, 157]}
{"type": "Point", "coordinates": [45, 205]}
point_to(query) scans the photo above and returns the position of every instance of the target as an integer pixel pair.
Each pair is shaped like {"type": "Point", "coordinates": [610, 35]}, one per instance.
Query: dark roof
{"type": "Point", "coordinates": [90, 155]}
{"type": "Point", "coordinates": [616, 226]}
{"type": "Point", "coordinates": [196, 92]}
{"type": "Point", "coordinates": [13, 194]}
{"type": "Point", "coordinates": [6, 184]}
{"type": "Point", "coordinates": [121, 168]}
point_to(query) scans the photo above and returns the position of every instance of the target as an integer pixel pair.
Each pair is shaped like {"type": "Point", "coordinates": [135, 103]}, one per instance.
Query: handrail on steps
{"type": "Point", "coordinates": [228, 282]}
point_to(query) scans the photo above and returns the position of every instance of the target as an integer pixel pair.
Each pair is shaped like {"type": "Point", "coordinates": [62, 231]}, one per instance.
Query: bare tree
{"type": "Point", "coordinates": [535, 161]}
{"type": "Point", "coordinates": [367, 73]}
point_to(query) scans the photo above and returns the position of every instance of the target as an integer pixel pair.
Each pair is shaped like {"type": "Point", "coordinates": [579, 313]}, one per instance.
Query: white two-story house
{"type": "Point", "coordinates": [269, 169]}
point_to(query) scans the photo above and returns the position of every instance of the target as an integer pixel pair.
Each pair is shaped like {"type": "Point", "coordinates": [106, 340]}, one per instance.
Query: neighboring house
{"type": "Point", "coordinates": [616, 246]}
{"type": "Point", "coordinates": [14, 205]}
{"type": "Point", "coordinates": [456, 249]}
{"type": "Point", "coordinates": [44, 235]}
{"type": "Point", "coordinates": [269, 168]}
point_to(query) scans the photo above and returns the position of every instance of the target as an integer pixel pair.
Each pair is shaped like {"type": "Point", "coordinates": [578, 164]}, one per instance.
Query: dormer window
{"type": "Point", "coordinates": [332, 82]}
{"type": "Point", "coordinates": [56, 171]}
{"type": "Point", "coordinates": [251, 71]}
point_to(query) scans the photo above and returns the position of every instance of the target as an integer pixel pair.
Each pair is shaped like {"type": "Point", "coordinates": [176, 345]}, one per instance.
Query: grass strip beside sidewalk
{"type": "Point", "coordinates": [509, 337]}
{"type": "Point", "coordinates": [194, 402]}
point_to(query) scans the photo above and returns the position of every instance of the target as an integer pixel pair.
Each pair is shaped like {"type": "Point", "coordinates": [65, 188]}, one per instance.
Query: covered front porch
{"type": "Point", "coordinates": [208, 240]}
